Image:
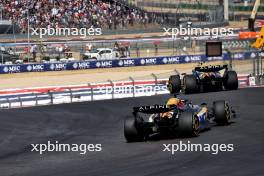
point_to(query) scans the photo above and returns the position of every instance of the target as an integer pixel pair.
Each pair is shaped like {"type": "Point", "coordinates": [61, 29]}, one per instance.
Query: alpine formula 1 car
{"type": "Point", "coordinates": [204, 79]}
{"type": "Point", "coordinates": [176, 118]}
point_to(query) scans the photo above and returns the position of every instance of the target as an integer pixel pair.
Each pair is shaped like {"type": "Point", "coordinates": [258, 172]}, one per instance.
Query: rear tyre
{"type": "Point", "coordinates": [188, 124]}
{"type": "Point", "coordinates": [231, 81]}
{"type": "Point", "coordinates": [222, 113]}
{"type": "Point", "coordinates": [174, 84]}
{"type": "Point", "coordinates": [131, 130]}
{"type": "Point", "coordinates": [190, 84]}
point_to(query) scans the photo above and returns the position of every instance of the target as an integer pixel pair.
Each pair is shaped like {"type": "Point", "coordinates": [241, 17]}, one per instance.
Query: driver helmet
{"type": "Point", "coordinates": [173, 102]}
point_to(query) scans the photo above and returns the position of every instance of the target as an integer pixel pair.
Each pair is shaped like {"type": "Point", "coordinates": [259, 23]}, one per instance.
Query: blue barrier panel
{"type": "Point", "coordinates": [59, 66]}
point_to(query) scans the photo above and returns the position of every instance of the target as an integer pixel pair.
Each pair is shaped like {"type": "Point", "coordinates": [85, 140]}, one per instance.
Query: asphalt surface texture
{"type": "Point", "coordinates": [101, 122]}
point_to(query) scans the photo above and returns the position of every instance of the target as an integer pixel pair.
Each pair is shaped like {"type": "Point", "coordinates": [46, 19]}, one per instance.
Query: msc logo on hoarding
{"type": "Point", "coordinates": [75, 65]}
{"type": "Point", "coordinates": [215, 58]}
{"type": "Point", "coordinates": [253, 55]}
{"type": "Point", "coordinates": [104, 64]}
{"type": "Point", "coordinates": [165, 60]}
{"type": "Point", "coordinates": [187, 59]}
{"type": "Point", "coordinates": [81, 65]}
{"type": "Point", "coordinates": [126, 63]}
{"type": "Point", "coordinates": [238, 56]}
{"type": "Point", "coordinates": [35, 68]}
{"type": "Point", "coordinates": [171, 60]}
{"type": "Point", "coordinates": [150, 61]}
{"type": "Point", "coordinates": [12, 69]}
{"type": "Point", "coordinates": [261, 54]}
{"type": "Point", "coordinates": [192, 58]}
{"type": "Point", "coordinates": [58, 66]}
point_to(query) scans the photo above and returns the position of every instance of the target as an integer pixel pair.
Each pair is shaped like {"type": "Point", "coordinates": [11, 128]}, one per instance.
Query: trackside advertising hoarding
{"type": "Point", "coordinates": [60, 66]}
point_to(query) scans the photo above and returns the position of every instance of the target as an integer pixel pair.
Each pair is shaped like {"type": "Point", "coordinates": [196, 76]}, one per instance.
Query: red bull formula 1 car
{"type": "Point", "coordinates": [176, 118]}
{"type": "Point", "coordinates": [204, 79]}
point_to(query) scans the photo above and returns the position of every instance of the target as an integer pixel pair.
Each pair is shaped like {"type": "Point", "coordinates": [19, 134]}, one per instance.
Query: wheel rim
{"type": "Point", "coordinates": [227, 112]}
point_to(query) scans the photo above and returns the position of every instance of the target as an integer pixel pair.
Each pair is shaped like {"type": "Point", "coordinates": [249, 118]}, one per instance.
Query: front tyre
{"type": "Point", "coordinates": [132, 132]}
{"type": "Point", "coordinates": [174, 84]}
{"type": "Point", "coordinates": [188, 124]}
{"type": "Point", "coordinates": [221, 112]}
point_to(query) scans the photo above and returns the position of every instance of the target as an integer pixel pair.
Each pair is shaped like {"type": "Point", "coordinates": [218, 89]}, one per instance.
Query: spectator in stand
{"type": "Point", "coordinates": [88, 47]}
{"type": "Point", "coordinates": [71, 13]}
{"type": "Point", "coordinates": [33, 51]}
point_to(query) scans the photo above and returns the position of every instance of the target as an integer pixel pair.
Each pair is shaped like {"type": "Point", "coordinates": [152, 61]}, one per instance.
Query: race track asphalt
{"type": "Point", "coordinates": [102, 122]}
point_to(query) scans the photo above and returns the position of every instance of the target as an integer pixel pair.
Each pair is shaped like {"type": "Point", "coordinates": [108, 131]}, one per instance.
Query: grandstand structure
{"type": "Point", "coordinates": [113, 15]}
{"type": "Point", "coordinates": [131, 16]}
{"type": "Point", "coordinates": [109, 15]}
{"type": "Point", "coordinates": [206, 11]}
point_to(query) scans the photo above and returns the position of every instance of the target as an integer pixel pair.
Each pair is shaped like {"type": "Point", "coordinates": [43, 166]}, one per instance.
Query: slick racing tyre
{"type": "Point", "coordinates": [190, 84]}
{"type": "Point", "coordinates": [174, 84]}
{"type": "Point", "coordinates": [231, 81]}
{"type": "Point", "coordinates": [221, 112]}
{"type": "Point", "coordinates": [188, 124]}
{"type": "Point", "coordinates": [131, 130]}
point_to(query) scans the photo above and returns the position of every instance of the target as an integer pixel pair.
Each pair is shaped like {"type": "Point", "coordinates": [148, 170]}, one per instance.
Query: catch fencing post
{"type": "Point", "coordinates": [20, 101]}
{"type": "Point", "coordinates": [137, 50]}
{"type": "Point", "coordinates": [92, 91]}
{"type": "Point", "coordinates": [230, 57]}
{"type": "Point", "coordinates": [112, 84]}
{"type": "Point", "coordinates": [261, 80]}
{"type": "Point", "coordinates": [36, 96]}
{"type": "Point", "coordinates": [9, 103]}
{"type": "Point", "coordinates": [51, 97]}
{"type": "Point", "coordinates": [70, 94]}
{"type": "Point", "coordinates": [254, 66]}
{"type": "Point", "coordinates": [258, 64]}
{"type": "Point", "coordinates": [261, 65]}
{"type": "Point", "coordinates": [133, 84]}
{"type": "Point", "coordinates": [156, 82]}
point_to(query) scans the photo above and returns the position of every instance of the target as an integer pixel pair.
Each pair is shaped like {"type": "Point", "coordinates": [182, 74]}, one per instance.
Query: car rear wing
{"type": "Point", "coordinates": [154, 109]}
{"type": "Point", "coordinates": [211, 68]}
